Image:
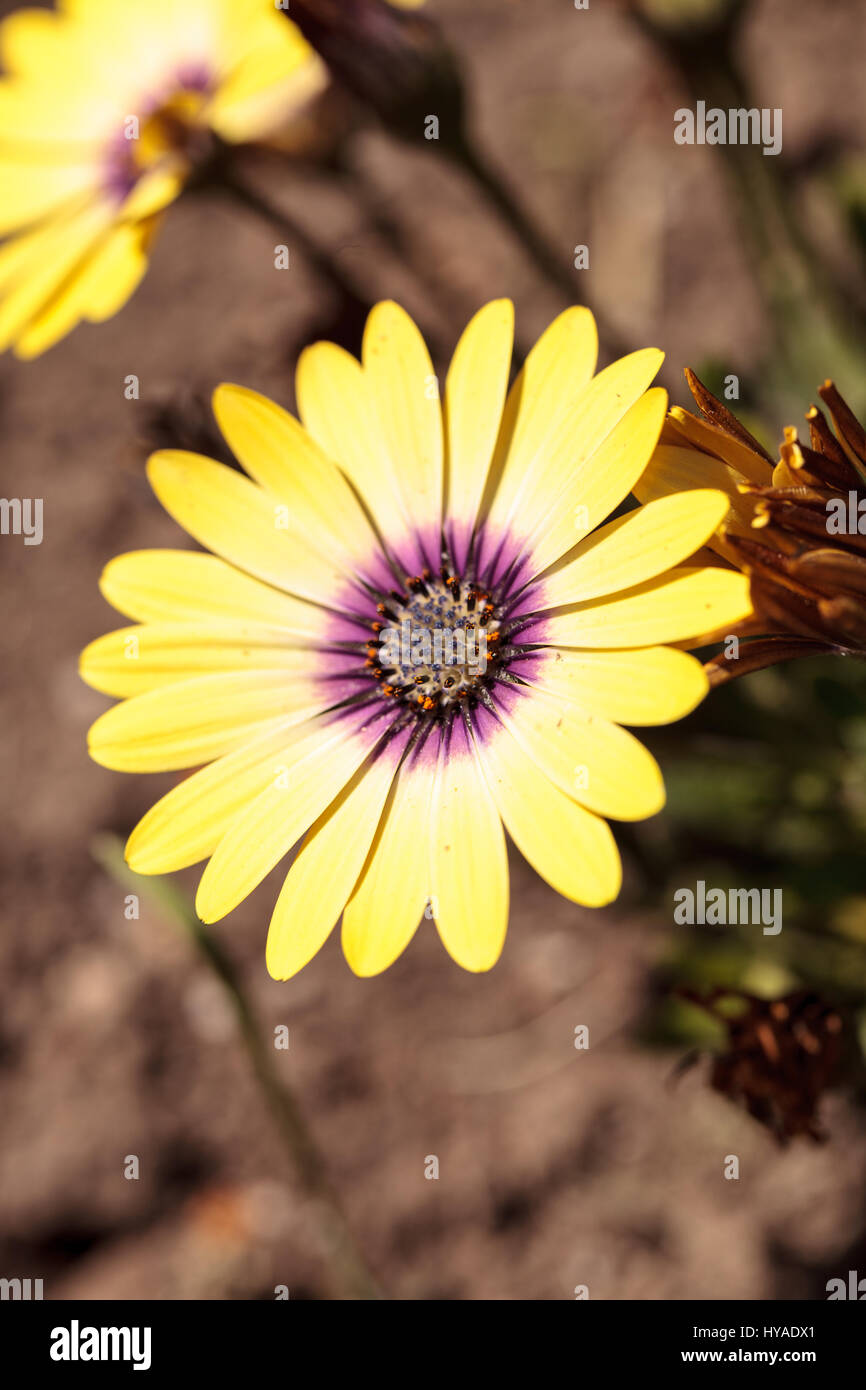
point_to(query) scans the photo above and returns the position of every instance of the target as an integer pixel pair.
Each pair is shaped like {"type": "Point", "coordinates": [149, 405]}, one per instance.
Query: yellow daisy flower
{"type": "Point", "coordinates": [300, 662]}
{"type": "Point", "coordinates": [107, 109]}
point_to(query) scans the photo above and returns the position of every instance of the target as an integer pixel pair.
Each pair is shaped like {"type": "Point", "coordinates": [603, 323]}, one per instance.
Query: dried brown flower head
{"type": "Point", "coordinates": [793, 527]}
{"type": "Point", "coordinates": [394, 60]}
{"type": "Point", "coordinates": [781, 1056]}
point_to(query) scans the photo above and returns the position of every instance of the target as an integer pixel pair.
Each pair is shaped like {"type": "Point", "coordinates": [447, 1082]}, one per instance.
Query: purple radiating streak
{"type": "Point", "coordinates": [120, 174]}
{"type": "Point", "coordinates": [535, 633]}
{"type": "Point", "coordinates": [501, 560]}
{"type": "Point", "coordinates": [344, 681]}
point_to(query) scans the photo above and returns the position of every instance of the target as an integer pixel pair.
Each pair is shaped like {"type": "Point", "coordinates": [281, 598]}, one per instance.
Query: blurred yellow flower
{"type": "Point", "coordinates": [300, 661]}
{"type": "Point", "coordinates": [106, 110]}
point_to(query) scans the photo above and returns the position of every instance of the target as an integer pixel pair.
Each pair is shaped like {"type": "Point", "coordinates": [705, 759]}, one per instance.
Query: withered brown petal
{"type": "Point", "coordinates": [788, 611]}
{"type": "Point", "coordinates": [719, 415]}
{"type": "Point", "coordinates": [847, 425]}
{"type": "Point", "coordinates": [772, 564]}
{"type": "Point", "coordinates": [831, 570]}
{"type": "Point", "coordinates": [847, 616]}
{"type": "Point", "coordinates": [809, 523]}
{"type": "Point", "coordinates": [760, 653]}
{"type": "Point", "coordinates": [823, 438]}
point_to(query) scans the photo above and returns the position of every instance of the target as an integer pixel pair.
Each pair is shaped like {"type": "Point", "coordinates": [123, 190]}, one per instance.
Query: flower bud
{"type": "Point", "coordinates": [395, 61]}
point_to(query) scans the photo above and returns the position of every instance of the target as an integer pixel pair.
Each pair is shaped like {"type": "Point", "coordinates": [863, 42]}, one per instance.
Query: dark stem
{"type": "Point", "coordinates": [344, 1259]}
{"type": "Point", "coordinates": [551, 266]}
{"type": "Point", "coordinates": [320, 258]}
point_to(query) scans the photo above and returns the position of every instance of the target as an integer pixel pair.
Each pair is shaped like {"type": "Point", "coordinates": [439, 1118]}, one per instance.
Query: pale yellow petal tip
{"type": "Point", "coordinates": [107, 571]}
{"type": "Point", "coordinates": [710, 508]}
{"type": "Point", "coordinates": [210, 912]}
{"type": "Point", "coordinates": [385, 308]}
{"type": "Point", "coordinates": [134, 861]}
{"type": "Point", "coordinates": [97, 748]}
{"type": "Point", "coordinates": [107, 758]}
{"type": "Point", "coordinates": [276, 969]}
{"type": "Point", "coordinates": [168, 469]}
{"type": "Point", "coordinates": [495, 312]}
{"type": "Point", "coordinates": [503, 306]}
{"type": "Point", "coordinates": [276, 966]}
{"type": "Point", "coordinates": [138, 850]}
{"type": "Point", "coordinates": [225, 400]}
{"type": "Point", "coordinates": [722, 501]}
{"type": "Point", "coordinates": [157, 466]}
{"type": "Point", "coordinates": [83, 660]}
{"type": "Point", "coordinates": [137, 861]}
{"type": "Point", "coordinates": [91, 671]}
{"type": "Point", "coordinates": [280, 977]}
{"type": "Point", "coordinates": [281, 962]}
{"type": "Point", "coordinates": [602, 897]}
{"type": "Point", "coordinates": [649, 807]}
{"type": "Point", "coordinates": [225, 390]}
{"type": "Point", "coordinates": [652, 355]}
{"type": "Point", "coordinates": [365, 970]}
{"type": "Point", "coordinates": [701, 687]}
{"type": "Point", "coordinates": [30, 354]}
{"type": "Point", "coordinates": [171, 460]}
{"type": "Point", "coordinates": [386, 316]}
{"type": "Point", "coordinates": [475, 965]}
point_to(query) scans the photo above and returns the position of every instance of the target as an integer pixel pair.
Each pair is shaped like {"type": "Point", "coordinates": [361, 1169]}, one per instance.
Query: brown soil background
{"type": "Point", "coordinates": [557, 1168]}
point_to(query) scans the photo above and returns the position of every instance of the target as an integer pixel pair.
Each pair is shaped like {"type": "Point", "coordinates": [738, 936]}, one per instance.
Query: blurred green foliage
{"type": "Point", "coordinates": [766, 789]}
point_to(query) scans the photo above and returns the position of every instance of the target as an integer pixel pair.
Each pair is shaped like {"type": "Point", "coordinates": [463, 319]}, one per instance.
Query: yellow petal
{"type": "Point", "coordinates": [646, 685]}
{"type": "Point", "coordinates": [474, 397]}
{"type": "Point", "coordinates": [334, 404]}
{"type": "Point", "coordinates": [405, 399]}
{"type": "Point", "coordinates": [713, 440]}
{"type": "Point", "coordinates": [97, 289]}
{"type": "Point", "coordinates": [557, 369]}
{"type": "Point", "coordinates": [51, 260]}
{"type": "Point", "coordinates": [682, 604]}
{"type": "Point", "coordinates": [270, 86]}
{"type": "Point", "coordinates": [784, 476]}
{"type": "Point", "coordinates": [327, 867]}
{"type": "Point", "coordinates": [636, 547]}
{"type": "Point", "coordinates": [468, 860]}
{"type": "Point", "coordinates": [383, 913]}
{"type": "Point", "coordinates": [154, 191]}
{"type": "Point", "coordinates": [136, 659]}
{"type": "Point", "coordinates": [597, 763]}
{"type": "Point", "coordinates": [180, 586]}
{"type": "Point", "coordinates": [187, 824]}
{"type": "Point", "coordinates": [572, 849]}
{"type": "Point", "coordinates": [29, 38]}
{"type": "Point", "coordinates": [227, 513]}
{"type": "Point", "coordinates": [282, 457]}
{"type": "Point", "coordinates": [189, 722]}
{"type": "Point", "coordinates": [43, 43]}
{"type": "Point", "coordinates": [34, 189]}
{"type": "Point", "coordinates": [673, 469]}
{"type": "Point", "coordinates": [598, 483]}
{"type": "Point", "coordinates": [270, 825]}
{"type": "Point", "coordinates": [22, 255]}
{"type": "Point", "coordinates": [567, 451]}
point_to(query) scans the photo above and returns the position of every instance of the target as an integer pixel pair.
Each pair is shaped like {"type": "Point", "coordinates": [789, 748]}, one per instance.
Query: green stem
{"type": "Point", "coordinates": [348, 1266]}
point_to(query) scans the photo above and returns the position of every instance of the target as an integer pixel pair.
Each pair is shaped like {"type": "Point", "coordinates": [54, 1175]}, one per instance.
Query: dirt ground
{"type": "Point", "coordinates": [557, 1167]}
